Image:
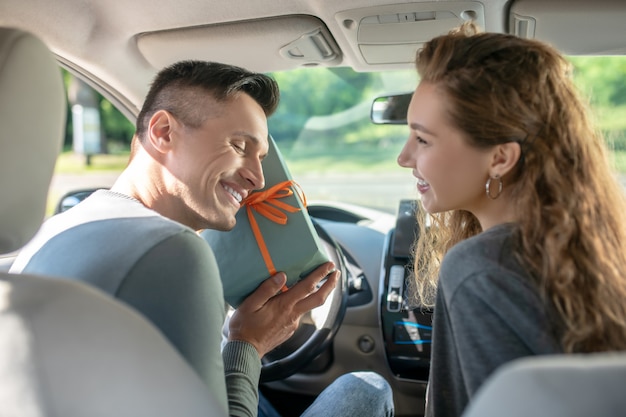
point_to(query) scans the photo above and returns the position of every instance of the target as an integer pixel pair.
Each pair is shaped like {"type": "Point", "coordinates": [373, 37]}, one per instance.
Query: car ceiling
{"type": "Point", "coordinates": [119, 44]}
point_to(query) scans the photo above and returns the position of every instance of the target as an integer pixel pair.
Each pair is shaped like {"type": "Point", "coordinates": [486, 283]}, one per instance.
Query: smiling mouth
{"type": "Point", "coordinates": [422, 183]}
{"type": "Point", "coordinates": [234, 193]}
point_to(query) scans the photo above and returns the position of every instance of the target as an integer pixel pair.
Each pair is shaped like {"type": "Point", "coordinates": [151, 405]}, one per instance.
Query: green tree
{"type": "Point", "coordinates": [603, 79]}
{"type": "Point", "coordinates": [315, 92]}
{"type": "Point", "coordinates": [115, 126]}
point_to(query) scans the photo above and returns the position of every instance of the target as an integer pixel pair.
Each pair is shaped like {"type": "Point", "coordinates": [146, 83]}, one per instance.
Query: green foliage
{"type": "Point", "coordinates": [323, 114]}
{"type": "Point", "coordinates": [117, 129]}
{"type": "Point", "coordinates": [312, 92]}
{"type": "Point", "coordinates": [603, 81]}
{"type": "Point", "coordinates": [619, 161]}
{"type": "Point", "coordinates": [601, 78]}
{"type": "Point", "coordinates": [612, 122]}
{"type": "Point", "coordinates": [116, 126]}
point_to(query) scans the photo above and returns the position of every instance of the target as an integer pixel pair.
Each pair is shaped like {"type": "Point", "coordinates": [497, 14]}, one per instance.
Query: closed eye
{"type": "Point", "coordinates": [239, 147]}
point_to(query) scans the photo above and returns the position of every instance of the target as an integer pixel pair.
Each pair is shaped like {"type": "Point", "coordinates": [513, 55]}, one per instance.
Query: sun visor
{"type": "Point", "coordinates": [392, 34]}
{"type": "Point", "coordinates": [587, 27]}
{"type": "Point", "coordinates": [278, 43]}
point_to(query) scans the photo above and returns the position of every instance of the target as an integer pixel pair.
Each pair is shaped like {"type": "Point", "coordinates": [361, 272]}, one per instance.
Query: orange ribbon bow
{"type": "Point", "coordinates": [267, 203]}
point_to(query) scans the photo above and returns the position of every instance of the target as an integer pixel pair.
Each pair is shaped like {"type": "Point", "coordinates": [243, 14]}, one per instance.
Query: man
{"type": "Point", "coordinates": [200, 139]}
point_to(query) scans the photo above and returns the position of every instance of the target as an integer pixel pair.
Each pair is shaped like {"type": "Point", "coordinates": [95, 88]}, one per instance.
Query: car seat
{"type": "Point", "coordinates": [555, 386]}
{"type": "Point", "coordinates": [67, 349]}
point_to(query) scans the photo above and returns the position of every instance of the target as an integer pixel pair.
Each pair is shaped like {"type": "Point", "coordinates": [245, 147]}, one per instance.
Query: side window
{"type": "Point", "coordinates": [96, 146]}
{"type": "Point", "coordinates": [603, 80]}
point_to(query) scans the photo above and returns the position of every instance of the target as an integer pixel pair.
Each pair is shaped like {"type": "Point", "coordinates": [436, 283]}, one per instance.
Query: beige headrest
{"type": "Point", "coordinates": [32, 122]}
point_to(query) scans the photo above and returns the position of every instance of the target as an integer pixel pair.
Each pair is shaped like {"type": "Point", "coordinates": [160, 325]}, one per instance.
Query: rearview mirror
{"type": "Point", "coordinates": [391, 109]}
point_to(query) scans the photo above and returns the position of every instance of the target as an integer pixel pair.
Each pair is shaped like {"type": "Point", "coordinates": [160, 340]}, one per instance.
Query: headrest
{"type": "Point", "coordinates": [32, 122]}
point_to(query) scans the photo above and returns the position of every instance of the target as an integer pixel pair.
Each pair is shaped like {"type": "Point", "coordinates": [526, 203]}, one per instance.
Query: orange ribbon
{"type": "Point", "coordinates": [267, 203]}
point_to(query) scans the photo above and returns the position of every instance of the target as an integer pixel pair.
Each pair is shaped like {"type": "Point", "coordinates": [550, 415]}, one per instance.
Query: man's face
{"type": "Point", "coordinates": [218, 164]}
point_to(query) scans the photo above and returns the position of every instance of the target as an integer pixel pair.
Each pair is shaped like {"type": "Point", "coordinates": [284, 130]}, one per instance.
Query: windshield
{"type": "Point", "coordinates": [323, 129]}
{"type": "Point", "coordinates": [331, 147]}
{"type": "Point", "coordinates": [337, 154]}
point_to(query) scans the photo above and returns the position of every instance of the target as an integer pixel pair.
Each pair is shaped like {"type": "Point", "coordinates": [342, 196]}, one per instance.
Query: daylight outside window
{"type": "Point", "coordinates": [332, 149]}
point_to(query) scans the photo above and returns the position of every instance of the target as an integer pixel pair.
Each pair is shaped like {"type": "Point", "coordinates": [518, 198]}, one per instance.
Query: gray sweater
{"type": "Point", "coordinates": [161, 268]}
{"type": "Point", "coordinates": [488, 312]}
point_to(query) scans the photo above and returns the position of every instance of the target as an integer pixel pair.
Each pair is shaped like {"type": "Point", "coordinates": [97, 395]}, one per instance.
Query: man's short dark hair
{"type": "Point", "coordinates": [181, 89]}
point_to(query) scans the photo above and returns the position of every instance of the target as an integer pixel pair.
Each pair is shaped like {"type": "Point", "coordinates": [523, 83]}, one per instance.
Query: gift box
{"type": "Point", "coordinates": [273, 233]}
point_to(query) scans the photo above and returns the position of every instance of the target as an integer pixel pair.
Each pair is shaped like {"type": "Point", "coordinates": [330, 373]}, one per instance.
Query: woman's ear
{"type": "Point", "coordinates": [160, 128]}
{"type": "Point", "coordinates": [505, 157]}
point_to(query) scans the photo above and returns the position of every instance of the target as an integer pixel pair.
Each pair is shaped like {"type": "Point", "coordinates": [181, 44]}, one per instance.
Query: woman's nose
{"type": "Point", "coordinates": [405, 156]}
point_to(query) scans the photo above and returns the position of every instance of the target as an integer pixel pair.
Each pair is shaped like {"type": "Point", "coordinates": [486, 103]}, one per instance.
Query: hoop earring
{"type": "Point", "coordinates": [488, 187]}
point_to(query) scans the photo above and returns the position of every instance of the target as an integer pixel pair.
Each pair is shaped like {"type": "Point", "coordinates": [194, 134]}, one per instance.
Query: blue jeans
{"type": "Point", "coordinates": [357, 394]}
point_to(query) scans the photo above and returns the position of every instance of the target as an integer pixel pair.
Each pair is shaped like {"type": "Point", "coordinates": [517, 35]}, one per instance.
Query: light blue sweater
{"type": "Point", "coordinates": [161, 268]}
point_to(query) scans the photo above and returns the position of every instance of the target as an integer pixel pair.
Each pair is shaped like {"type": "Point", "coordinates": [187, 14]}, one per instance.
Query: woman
{"type": "Point", "coordinates": [523, 254]}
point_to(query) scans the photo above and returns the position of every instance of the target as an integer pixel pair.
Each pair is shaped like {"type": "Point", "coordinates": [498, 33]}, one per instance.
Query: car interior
{"type": "Point", "coordinates": [66, 349]}
{"type": "Point", "coordinates": [61, 341]}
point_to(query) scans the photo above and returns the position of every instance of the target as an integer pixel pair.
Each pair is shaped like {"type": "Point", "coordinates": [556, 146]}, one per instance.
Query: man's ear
{"type": "Point", "coordinates": [160, 128]}
{"type": "Point", "coordinates": [505, 157]}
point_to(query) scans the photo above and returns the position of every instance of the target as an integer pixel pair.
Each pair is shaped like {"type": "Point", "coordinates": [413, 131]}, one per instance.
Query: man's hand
{"type": "Point", "coordinates": [266, 319]}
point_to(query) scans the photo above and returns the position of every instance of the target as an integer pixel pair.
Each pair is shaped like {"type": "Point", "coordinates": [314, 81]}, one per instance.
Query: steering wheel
{"type": "Point", "coordinates": [316, 329]}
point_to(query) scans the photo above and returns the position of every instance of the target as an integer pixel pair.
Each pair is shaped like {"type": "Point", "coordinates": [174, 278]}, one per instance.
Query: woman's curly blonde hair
{"type": "Point", "coordinates": [571, 209]}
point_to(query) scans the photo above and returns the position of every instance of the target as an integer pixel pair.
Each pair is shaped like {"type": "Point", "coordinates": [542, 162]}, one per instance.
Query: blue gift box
{"type": "Point", "coordinates": [285, 239]}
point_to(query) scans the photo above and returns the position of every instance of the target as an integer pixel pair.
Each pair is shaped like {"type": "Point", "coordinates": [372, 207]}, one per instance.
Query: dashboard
{"type": "Point", "coordinates": [382, 329]}
{"type": "Point", "coordinates": [407, 329]}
